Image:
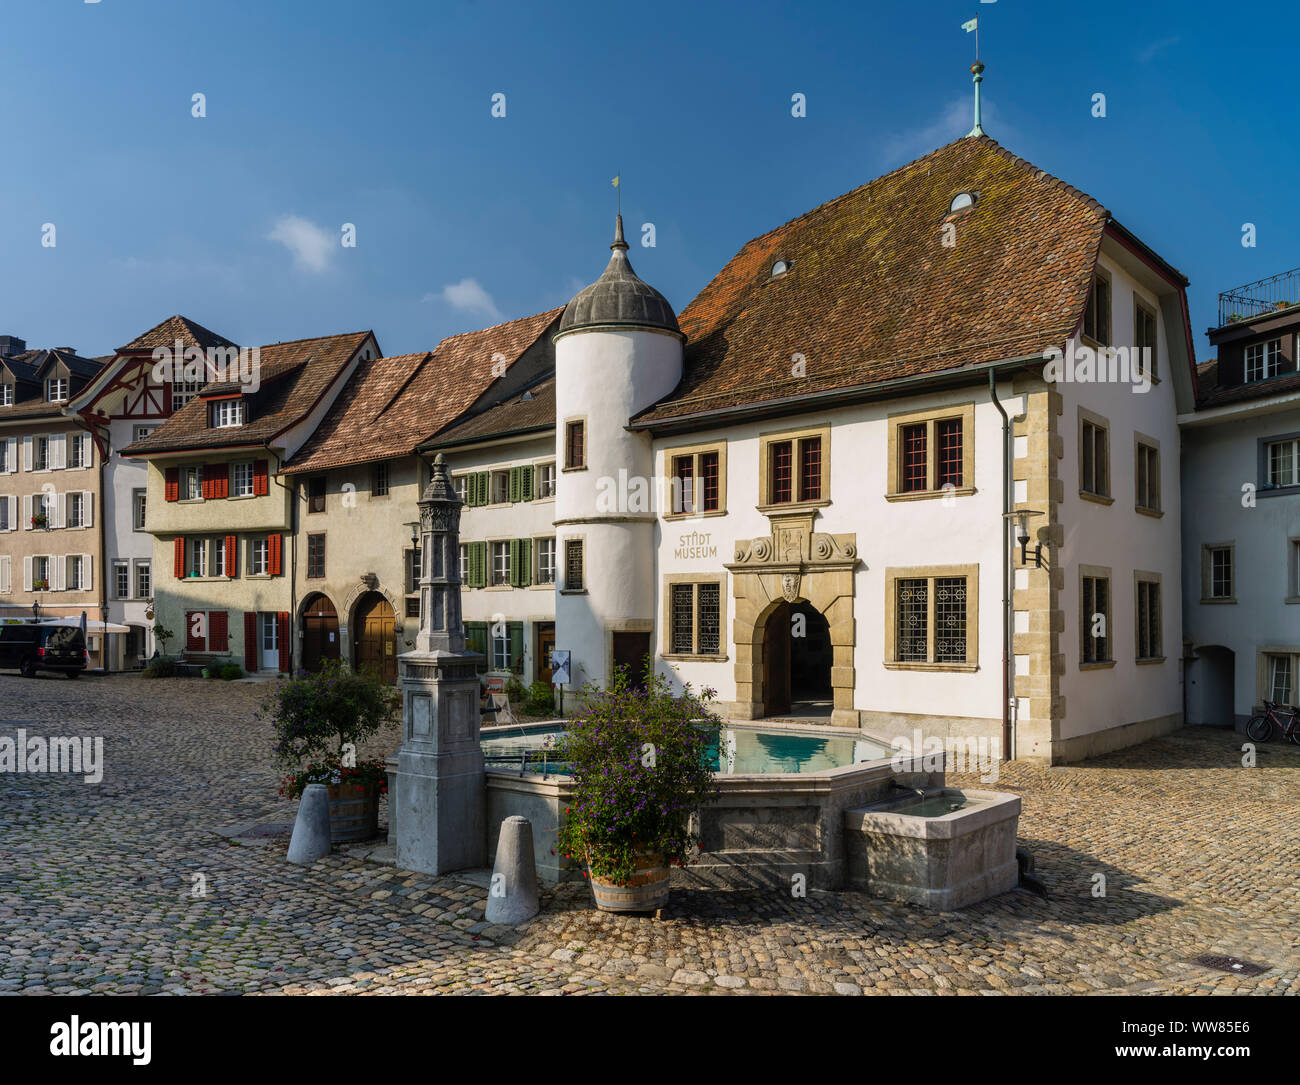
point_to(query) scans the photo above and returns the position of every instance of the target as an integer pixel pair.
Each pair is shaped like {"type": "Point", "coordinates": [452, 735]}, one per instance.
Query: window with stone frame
{"type": "Point", "coordinates": [1094, 457]}
{"type": "Point", "coordinates": [198, 557]}
{"type": "Point", "coordinates": [258, 556]}
{"type": "Point", "coordinates": [1147, 483]}
{"type": "Point", "coordinates": [574, 566]}
{"type": "Point", "coordinates": [78, 450]}
{"type": "Point", "coordinates": [500, 492]}
{"type": "Point", "coordinates": [74, 509]}
{"type": "Point", "coordinates": [695, 618]}
{"type": "Point", "coordinates": [1280, 676]}
{"type": "Point", "coordinates": [1094, 619]}
{"type": "Point", "coordinates": [121, 580]}
{"type": "Point", "coordinates": [139, 506]}
{"type": "Point", "coordinates": [1096, 318]}
{"type": "Point", "coordinates": [932, 618]}
{"type": "Point", "coordinates": [546, 561]}
{"type": "Point", "coordinates": [546, 480]}
{"type": "Point", "coordinates": [241, 478]}
{"type": "Point", "coordinates": [315, 556]}
{"type": "Point", "coordinates": [1282, 462]}
{"type": "Point", "coordinates": [74, 573]}
{"type": "Point", "coordinates": [1145, 337]}
{"type": "Point", "coordinates": [464, 563]}
{"type": "Point", "coordinates": [575, 444]}
{"type": "Point", "coordinates": [500, 563]}
{"type": "Point", "coordinates": [696, 480]}
{"type": "Point", "coordinates": [41, 454]}
{"type": "Point", "coordinates": [931, 453]}
{"type": "Point", "coordinates": [192, 484]}
{"type": "Point", "coordinates": [1218, 577]}
{"type": "Point", "coordinates": [143, 579]}
{"type": "Point", "coordinates": [379, 478]}
{"type": "Point", "coordinates": [1150, 626]}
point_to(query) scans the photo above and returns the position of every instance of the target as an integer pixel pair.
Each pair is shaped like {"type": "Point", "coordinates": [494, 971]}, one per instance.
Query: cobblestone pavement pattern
{"type": "Point", "coordinates": [1199, 856]}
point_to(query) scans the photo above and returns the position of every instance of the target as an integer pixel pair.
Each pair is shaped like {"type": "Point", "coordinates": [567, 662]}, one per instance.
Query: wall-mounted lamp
{"type": "Point", "coordinates": [1021, 519]}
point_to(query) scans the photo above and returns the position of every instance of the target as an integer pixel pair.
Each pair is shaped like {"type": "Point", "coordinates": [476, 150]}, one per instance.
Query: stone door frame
{"type": "Point", "coordinates": [795, 564]}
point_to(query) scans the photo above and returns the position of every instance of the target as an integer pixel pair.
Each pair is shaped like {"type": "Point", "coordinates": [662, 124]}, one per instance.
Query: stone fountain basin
{"type": "Point", "coordinates": [941, 861]}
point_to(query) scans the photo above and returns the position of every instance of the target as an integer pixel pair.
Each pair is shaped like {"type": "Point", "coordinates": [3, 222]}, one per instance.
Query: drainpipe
{"type": "Point", "coordinates": [1008, 742]}
{"type": "Point", "coordinates": [104, 569]}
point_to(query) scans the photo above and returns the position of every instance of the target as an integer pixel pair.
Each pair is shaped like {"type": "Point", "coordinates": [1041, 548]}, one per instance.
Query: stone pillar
{"type": "Point", "coordinates": [440, 802]}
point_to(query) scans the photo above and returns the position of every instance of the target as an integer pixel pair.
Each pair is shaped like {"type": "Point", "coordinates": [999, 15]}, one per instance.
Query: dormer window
{"type": "Point", "coordinates": [1263, 360]}
{"type": "Point", "coordinates": [961, 201]}
{"type": "Point", "coordinates": [227, 412]}
{"type": "Point", "coordinates": [56, 389]}
{"type": "Point", "coordinates": [6, 395]}
{"type": "Point", "coordinates": [781, 267]}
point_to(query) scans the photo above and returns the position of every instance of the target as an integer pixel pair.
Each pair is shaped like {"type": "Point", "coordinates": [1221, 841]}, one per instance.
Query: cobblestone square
{"type": "Point", "coordinates": [1199, 856]}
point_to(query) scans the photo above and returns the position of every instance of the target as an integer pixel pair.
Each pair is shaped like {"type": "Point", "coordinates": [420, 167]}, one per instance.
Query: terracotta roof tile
{"type": "Point", "coordinates": [189, 332]}
{"type": "Point", "coordinates": [394, 404]}
{"type": "Point", "coordinates": [873, 292]}
{"type": "Point", "coordinates": [293, 377]}
{"type": "Point", "coordinates": [534, 408]}
{"type": "Point", "coordinates": [29, 389]}
{"type": "Point", "coordinates": [1212, 395]}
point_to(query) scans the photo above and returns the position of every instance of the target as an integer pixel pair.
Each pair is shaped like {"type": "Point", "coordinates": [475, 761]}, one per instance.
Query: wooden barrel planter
{"type": "Point", "coordinates": [645, 892]}
{"type": "Point", "coordinates": [354, 812]}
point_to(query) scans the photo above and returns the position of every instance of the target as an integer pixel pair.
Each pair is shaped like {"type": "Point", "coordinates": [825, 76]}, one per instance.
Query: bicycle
{"type": "Point", "coordinates": [1285, 717]}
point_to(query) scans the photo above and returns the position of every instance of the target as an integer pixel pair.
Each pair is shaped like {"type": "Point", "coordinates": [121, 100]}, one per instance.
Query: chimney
{"type": "Point", "coordinates": [66, 350]}
{"type": "Point", "coordinates": [10, 345]}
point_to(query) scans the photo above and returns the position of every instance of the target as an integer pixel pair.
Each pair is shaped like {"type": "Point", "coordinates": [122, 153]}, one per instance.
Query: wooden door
{"type": "Point", "coordinates": [320, 633]}
{"type": "Point", "coordinates": [630, 651]}
{"type": "Point", "coordinates": [376, 643]}
{"type": "Point", "coordinates": [545, 643]}
{"type": "Point", "coordinates": [776, 662]}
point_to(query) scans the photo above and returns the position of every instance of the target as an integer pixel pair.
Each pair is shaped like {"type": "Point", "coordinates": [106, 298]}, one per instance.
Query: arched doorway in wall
{"type": "Point", "coordinates": [797, 657]}
{"type": "Point", "coordinates": [376, 643]}
{"type": "Point", "coordinates": [320, 632]}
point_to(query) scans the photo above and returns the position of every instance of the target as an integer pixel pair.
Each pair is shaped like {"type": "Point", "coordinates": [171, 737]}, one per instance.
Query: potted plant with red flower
{"type": "Point", "coordinates": [320, 721]}
{"type": "Point", "coordinates": [642, 762]}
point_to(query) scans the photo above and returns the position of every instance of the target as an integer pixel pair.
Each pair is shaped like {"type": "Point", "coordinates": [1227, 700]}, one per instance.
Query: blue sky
{"type": "Point", "coordinates": [321, 112]}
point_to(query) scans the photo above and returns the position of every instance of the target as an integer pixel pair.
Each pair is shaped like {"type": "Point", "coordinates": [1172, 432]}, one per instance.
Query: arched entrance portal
{"type": "Point", "coordinates": [375, 640]}
{"type": "Point", "coordinates": [796, 662]}
{"type": "Point", "coordinates": [320, 632]}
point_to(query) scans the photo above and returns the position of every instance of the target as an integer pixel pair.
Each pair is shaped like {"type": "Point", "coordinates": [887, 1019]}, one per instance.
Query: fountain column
{"type": "Point", "coordinates": [439, 794]}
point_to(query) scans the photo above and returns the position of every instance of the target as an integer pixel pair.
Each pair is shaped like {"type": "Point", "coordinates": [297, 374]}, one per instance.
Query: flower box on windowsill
{"type": "Point", "coordinates": [40, 585]}
{"type": "Point", "coordinates": [39, 521]}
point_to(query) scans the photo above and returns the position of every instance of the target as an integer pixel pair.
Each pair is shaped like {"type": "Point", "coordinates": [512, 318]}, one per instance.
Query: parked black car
{"type": "Point", "coordinates": [30, 648]}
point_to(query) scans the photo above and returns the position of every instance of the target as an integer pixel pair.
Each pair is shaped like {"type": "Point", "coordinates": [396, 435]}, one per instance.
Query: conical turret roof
{"type": "Point", "coordinates": [618, 298]}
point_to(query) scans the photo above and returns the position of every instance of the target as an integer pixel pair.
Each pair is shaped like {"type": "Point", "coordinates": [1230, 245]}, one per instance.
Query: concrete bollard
{"type": "Point", "coordinates": [311, 830]}
{"type": "Point", "coordinates": [512, 895]}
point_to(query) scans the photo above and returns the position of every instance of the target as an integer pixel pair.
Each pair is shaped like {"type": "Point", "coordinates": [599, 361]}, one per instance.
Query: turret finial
{"type": "Point", "coordinates": [619, 243]}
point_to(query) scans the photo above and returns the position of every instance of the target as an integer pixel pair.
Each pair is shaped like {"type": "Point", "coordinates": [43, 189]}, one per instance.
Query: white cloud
{"type": "Point", "coordinates": [1149, 53]}
{"type": "Point", "coordinates": [468, 296]}
{"type": "Point", "coordinates": [954, 121]}
{"type": "Point", "coordinates": [310, 244]}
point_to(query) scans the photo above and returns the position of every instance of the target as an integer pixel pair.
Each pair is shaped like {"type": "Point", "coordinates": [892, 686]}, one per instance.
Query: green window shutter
{"type": "Point", "coordinates": [477, 564]}
{"type": "Point", "coordinates": [514, 484]}
{"type": "Point", "coordinates": [526, 483]}
{"type": "Point", "coordinates": [484, 487]}
{"type": "Point", "coordinates": [472, 490]}
{"type": "Point", "coordinates": [514, 562]}
{"type": "Point", "coordinates": [522, 568]}
{"type": "Point", "coordinates": [516, 631]}
{"type": "Point", "coordinates": [476, 637]}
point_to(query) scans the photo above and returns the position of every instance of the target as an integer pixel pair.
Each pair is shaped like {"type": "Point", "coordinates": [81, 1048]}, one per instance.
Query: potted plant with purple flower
{"type": "Point", "coordinates": [320, 721]}
{"type": "Point", "coordinates": [642, 763]}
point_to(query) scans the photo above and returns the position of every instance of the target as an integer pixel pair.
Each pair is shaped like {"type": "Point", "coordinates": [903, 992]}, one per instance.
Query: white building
{"type": "Point", "coordinates": [1241, 509]}
{"type": "Point", "coordinates": [796, 492]}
